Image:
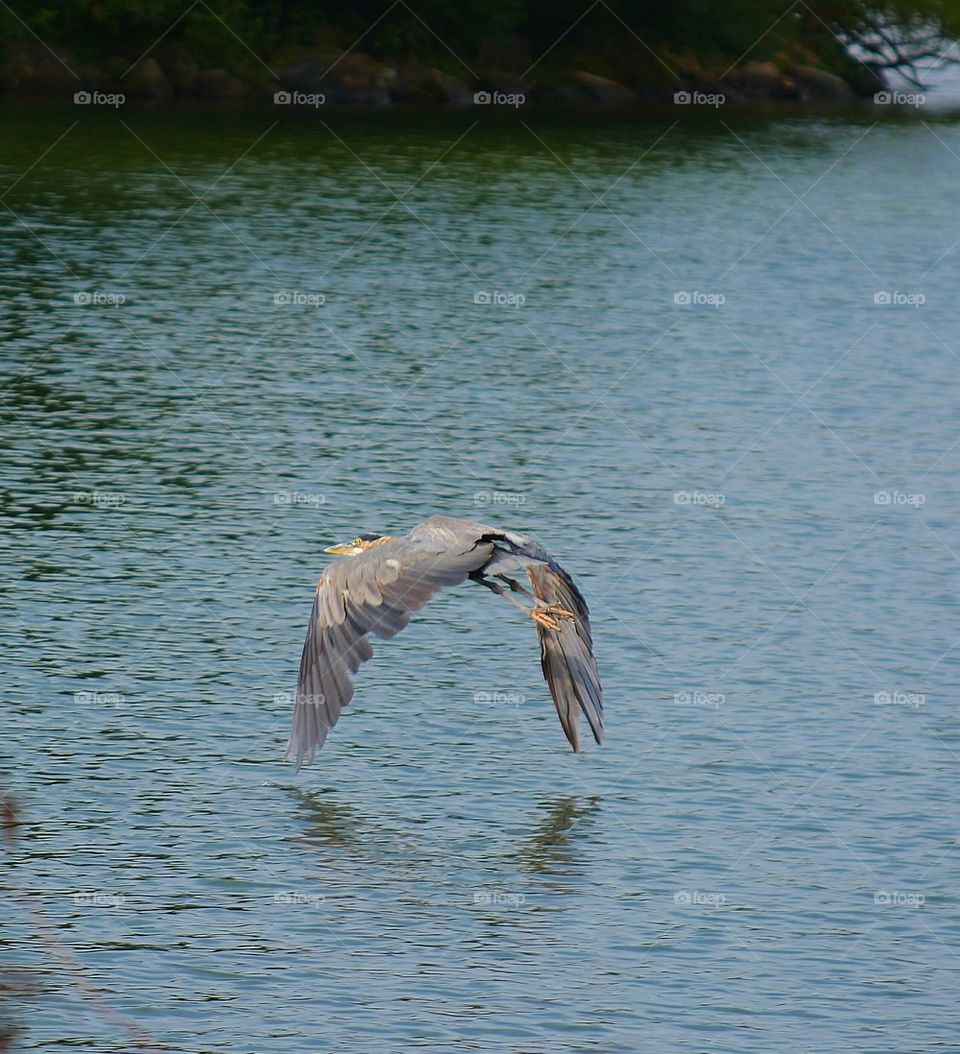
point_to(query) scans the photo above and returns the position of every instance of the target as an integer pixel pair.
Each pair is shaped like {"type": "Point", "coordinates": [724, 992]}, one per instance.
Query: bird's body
{"type": "Point", "coordinates": [385, 579]}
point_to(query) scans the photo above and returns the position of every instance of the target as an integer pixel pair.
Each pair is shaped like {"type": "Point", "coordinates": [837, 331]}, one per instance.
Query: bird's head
{"type": "Point", "coordinates": [360, 544]}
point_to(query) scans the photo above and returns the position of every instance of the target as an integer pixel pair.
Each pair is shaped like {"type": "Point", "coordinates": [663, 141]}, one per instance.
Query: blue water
{"type": "Point", "coordinates": [757, 492]}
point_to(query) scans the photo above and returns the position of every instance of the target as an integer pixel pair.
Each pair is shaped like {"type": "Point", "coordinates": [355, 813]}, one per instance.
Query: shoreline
{"type": "Point", "coordinates": [856, 107]}
{"type": "Point", "coordinates": [350, 82]}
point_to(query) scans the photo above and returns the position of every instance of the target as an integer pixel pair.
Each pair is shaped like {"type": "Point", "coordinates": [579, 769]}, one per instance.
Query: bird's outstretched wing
{"type": "Point", "coordinates": [566, 653]}
{"type": "Point", "coordinates": [373, 592]}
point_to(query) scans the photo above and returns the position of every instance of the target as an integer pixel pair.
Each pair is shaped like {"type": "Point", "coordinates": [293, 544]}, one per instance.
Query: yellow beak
{"type": "Point", "coordinates": [344, 549]}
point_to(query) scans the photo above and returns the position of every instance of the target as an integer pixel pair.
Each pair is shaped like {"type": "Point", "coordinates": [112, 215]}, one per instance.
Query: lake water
{"type": "Point", "coordinates": [757, 490]}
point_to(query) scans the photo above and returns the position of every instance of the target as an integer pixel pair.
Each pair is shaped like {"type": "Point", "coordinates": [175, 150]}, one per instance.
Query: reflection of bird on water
{"type": "Point", "coordinates": [384, 580]}
{"type": "Point", "coordinates": [548, 851]}
{"type": "Point", "coordinates": [328, 821]}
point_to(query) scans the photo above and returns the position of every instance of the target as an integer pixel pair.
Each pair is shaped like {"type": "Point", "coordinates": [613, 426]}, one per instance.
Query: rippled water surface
{"type": "Point", "coordinates": [757, 491]}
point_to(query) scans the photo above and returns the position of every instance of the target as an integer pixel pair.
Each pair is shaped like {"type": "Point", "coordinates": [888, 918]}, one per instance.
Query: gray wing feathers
{"type": "Point", "coordinates": [566, 654]}
{"type": "Point", "coordinates": [375, 592]}
{"type": "Point", "coordinates": [505, 562]}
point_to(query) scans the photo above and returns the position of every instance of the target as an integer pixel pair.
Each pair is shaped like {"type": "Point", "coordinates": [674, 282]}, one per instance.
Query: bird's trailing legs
{"type": "Point", "coordinates": [539, 607]}
{"type": "Point", "coordinates": [545, 615]}
{"type": "Point", "coordinates": [515, 586]}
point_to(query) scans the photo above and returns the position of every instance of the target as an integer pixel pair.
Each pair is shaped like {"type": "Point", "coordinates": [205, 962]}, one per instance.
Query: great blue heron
{"type": "Point", "coordinates": [385, 579]}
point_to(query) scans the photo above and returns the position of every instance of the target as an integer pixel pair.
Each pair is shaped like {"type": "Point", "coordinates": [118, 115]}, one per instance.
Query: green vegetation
{"type": "Point", "coordinates": [617, 40]}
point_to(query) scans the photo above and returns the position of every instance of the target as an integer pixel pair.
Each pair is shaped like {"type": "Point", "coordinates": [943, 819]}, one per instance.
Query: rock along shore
{"type": "Point", "coordinates": [356, 81]}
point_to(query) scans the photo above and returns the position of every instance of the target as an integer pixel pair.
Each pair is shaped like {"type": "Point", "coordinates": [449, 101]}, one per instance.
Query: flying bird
{"type": "Point", "coordinates": [383, 580]}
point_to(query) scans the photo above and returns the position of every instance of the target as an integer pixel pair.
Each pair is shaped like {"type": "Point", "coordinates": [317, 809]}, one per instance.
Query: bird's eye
{"type": "Point", "coordinates": [358, 543]}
